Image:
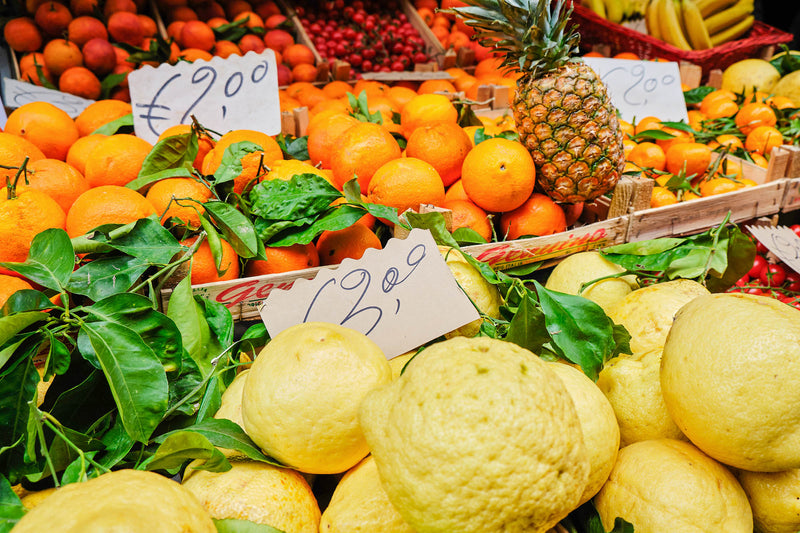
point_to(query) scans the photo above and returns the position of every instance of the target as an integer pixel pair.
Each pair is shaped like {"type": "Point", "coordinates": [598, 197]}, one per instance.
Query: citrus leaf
{"type": "Point", "coordinates": [231, 165]}
{"type": "Point", "coordinates": [50, 262]}
{"type": "Point", "coordinates": [183, 446]}
{"type": "Point", "coordinates": [11, 508]}
{"type": "Point", "coordinates": [134, 373]}
{"type": "Point", "coordinates": [115, 126]}
{"type": "Point", "coordinates": [107, 276]}
{"type": "Point", "coordinates": [339, 218]}
{"type": "Point", "coordinates": [173, 152]}
{"type": "Point", "coordinates": [147, 239]}
{"type": "Point", "coordinates": [26, 300]}
{"type": "Point", "coordinates": [235, 226]}
{"type": "Point", "coordinates": [190, 319]}
{"type": "Point", "coordinates": [304, 195]}
{"type": "Point", "coordinates": [17, 389]}
{"type": "Point", "coordinates": [12, 324]}
{"type": "Point", "coordinates": [235, 525]}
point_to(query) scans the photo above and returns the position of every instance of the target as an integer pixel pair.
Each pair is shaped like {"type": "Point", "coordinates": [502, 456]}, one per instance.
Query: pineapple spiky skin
{"type": "Point", "coordinates": [569, 125]}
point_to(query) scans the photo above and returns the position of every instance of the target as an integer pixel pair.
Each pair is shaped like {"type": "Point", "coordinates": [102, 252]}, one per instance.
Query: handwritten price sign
{"type": "Point", "coordinates": [239, 92]}
{"type": "Point", "coordinates": [17, 93]}
{"type": "Point", "coordinates": [401, 297]}
{"type": "Point", "coordinates": [781, 241]}
{"type": "Point", "coordinates": [642, 88]}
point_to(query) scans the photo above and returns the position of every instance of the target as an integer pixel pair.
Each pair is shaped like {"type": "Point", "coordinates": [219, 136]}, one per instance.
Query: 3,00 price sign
{"type": "Point", "coordinates": [239, 92]}
{"type": "Point", "coordinates": [400, 297]}
{"type": "Point", "coordinates": [642, 88]}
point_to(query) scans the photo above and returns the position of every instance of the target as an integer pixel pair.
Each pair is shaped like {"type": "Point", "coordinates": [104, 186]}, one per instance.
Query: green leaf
{"type": "Point", "coordinates": [189, 317]}
{"type": "Point", "coordinates": [134, 373]}
{"type": "Point", "coordinates": [156, 329]}
{"type": "Point", "coordinates": [741, 251]}
{"type": "Point", "coordinates": [17, 389]}
{"type": "Point", "coordinates": [231, 165]}
{"type": "Point", "coordinates": [235, 525]}
{"type": "Point", "coordinates": [435, 223]}
{"type": "Point", "coordinates": [26, 300]}
{"type": "Point", "coordinates": [468, 236]}
{"type": "Point", "coordinates": [335, 219]}
{"type": "Point", "coordinates": [58, 357]}
{"type": "Point", "coordinates": [219, 319]}
{"type": "Point", "coordinates": [293, 147]}
{"type": "Point", "coordinates": [235, 226]}
{"type": "Point", "coordinates": [649, 247]}
{"type": "Point", "coordinates": [304, 195]}
{"type": "Point", "coordinates": [183, 446]}
{"type": "Point", "coordinates": [696, 95]}
{"type": "Point", "coordinates": [527, 327]}
{"type": "Point", "coordinates": [226, 434]}
{"type": "Point", "coordinates": [211, 400]}
{"type": "Point", "coordinates": [144, 181]}
{"type": "Point", "coordinates": [147, 240]}
{"type": "Point", "coordinates": [114, 126]}
{"type": "Point", "coordinates": [581, 331]}
{"type": "Point", "coordinates": [117, 444]}
{"type": "Point", "coordinates": [177, 151]}
{"type": "Point", "coordinates": [108, 83]}
{"type": "Point", "coordinates": [214, 244]}
{"type": "Point", "coordinates": [12, 324]}
{"type": "Point", "coordinates": [107, 276]}
{"type": "Point", "coordinates": [254, 337]}
{"type": "Point", "coordinates": [50, 260]}
{"type": "Point", "coordinates": [186, 386]}
{"type": "Point", "coordinates": [11, 508]}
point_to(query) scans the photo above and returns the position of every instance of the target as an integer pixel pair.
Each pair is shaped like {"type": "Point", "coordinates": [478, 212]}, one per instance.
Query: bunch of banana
{"type": "Point", "coordinates": [618, 10]}
{"type": "Point", "coordinates": [698, 24]}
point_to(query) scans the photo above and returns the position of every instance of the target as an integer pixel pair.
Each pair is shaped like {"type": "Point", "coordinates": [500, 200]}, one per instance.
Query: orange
{"type": "Point", "coordinates": [193, 54]}
{"type": "Point", "coordinates": [692, 158]}
{"type": "Point", "coordinates": [780, 102]}
{"type": "Point", "coordinates": [538, 215]}
{"type": "Point", "coordinates": [100, 113]}
{"type": "Point", "coordinates": [46, 126]}
{"type": "Point", "coordinates": [58, 180]}
{"type": "Point", "coordinates": [79, 152]}
{"type": "Point", "coordinates": [662, 196]}
{"type": "Point", "coordinates": [626, 55]}
{"type": "Point", "coordinates": [730, 141]}
{"type": "Point", "coordinates": [710, 98]}
{"type": "Point", "coordinates": [371, 87]}
{"type": "Point", "coordinates": [9, 285]}
{"type": "Point", "coordinates": [679, 136]}
{"type": "Point", "coordinates": [468, 215]}
{"type": "Point", "coordinates": [179, 198]}
{"type": "Point", "coordinates": [60, 54]}
{"type": "Point", "coordinates": [226, 49]}
{"type": "Point", "coordinates": [627, 128]}
{"type": "Point", "coordinates": [337, 104]}
{"type": "Point", "coordinates": [762, 139]}
{"type": "Point", "coordinates": [289, 168]}
{"type": "Point", "coordinates": [296, 54]}
{"type": "Point", "coordinates": [310, 96]}
{"type": "Point", "coordinates": [295, 88]}
{"type": "Point", "coordinates": [444, 146]}
{"type": "Point", "coordinates": [305, 72]}
{"type": "Point", "coordinates": [125, 27]}
{"type": "Point", "coordinates": [337, 89]}
{"type": "Point", "coordinates": [436, 86]}
{"type": "Point", "coordinates": [204, 142]}
{"type": "Point", "coordinates": [360, 151]}
{"type": "Point", "coordinates": [627, 146]}
{"type": "Point", "coordinates": [759, 160]}
{"type": "Point", "coordinates": [271, 148]}
{"type": "Point", "coordinates": [13, 151]}
{"type": "Point", "coordinates": [351, 242]}
{"type": "Point", "coordinates": [718, 186]}
{"type": "Point", "coordinates": [80, 81]}
{"type": "Point", "coordinates": [456, 192]}
{"type": "Point", "coordinates": [203, 266]}
{"type": "Point", "coordinates": [405, 183]}
{"type": "Point", "coordinates": [116, 160]}
{"type": "Point", "coordinates": [720, 108]}
{"type": "Point", "coordinates": [283, 259]}
{"type": "Point", "coordinates": [23, 217]}
{"type": "Point", "coordinates": [490, 65]}
{"type": "Point", "coordinates": [401, 95]}
{"type": "Point", "coordinates": [648, 156]}
{"type": "Point", "coordinates": [730, 168]}
{"type": "Point", "coordinates": [696, 119]}
{"type": "Point", "coordinates": [647, 123]}
{"type": "Point", "coordinates": [753, 115]}
{"type": "Point", "coordinates": [22, 34]}
{"type": "Point", "coordinates": [498, 175]}
{"type": "Point", "coordinates": [106, 204]}
{"type": "Point", "coordinates": [426, 109]}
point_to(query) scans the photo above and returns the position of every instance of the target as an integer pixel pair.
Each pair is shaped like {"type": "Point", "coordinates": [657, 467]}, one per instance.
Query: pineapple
{"type": "Point", "coordinates": [562, 110]}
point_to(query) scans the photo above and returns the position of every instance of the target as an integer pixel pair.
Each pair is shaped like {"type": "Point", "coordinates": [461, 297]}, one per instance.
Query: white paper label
{"type": "Point", "coordinates": [642, 88]}
{"type": "Point", "coordinates": [3, 116]}
{"type": "Point", "coordinates": [400, 297]}
{"type": "Point", "coordinates": [17, 93]}
{"type": "Point", "coordinates": [239, 92]}
{"type": "Point", "coordinates": [781, 241]}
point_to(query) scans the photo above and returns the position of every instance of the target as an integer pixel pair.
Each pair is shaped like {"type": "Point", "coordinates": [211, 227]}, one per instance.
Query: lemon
{"type": "Point", "coordinates": [774, 498]}
{"type": "Point", "coordinates": [482, 293]}
{"type": "Point", "coordinates": [583, 267]}
{"type": "Point", "coordinates": [301, 397]}
{"type": "Point", "coordinates": [728, 375]}
{"type": "Point", "coordinates": [122, 500]}
{"type": "Point", "coordinates": [647, 312]}
{"type": "Point", "coordinates": [598, 425]}
{"type": "Point", "coordinates": [32, 499]}
{"type": "Point", "coordinates": [788, 86]}
{"type": "Point", "coordinates": [360, 505]}
{"type": "Point", "coordinates": [258, 492]}
{"type": "Point", "coordinates": [632, 385]}
{"type": "Point", "coordinates": [477, 435]}
{"type": "Point", "coordinates": [747, 74]}
{"type": "Point", "coordinates": [230, 408]}
{"type": "Point", "coordinates": [668, 485]}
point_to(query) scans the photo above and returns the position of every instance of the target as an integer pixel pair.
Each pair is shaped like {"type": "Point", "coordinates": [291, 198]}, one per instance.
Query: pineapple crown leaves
{"type": "Point", "coordinates": [533, 34]}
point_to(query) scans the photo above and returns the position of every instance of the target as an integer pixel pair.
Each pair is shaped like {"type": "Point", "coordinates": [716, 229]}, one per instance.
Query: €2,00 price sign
{"type": "Point", "coordinates": [400, 297]}
{"type": "Point", "coordinates": [642, 88]}
{"type": "Point", "coordinates": [238, 92]}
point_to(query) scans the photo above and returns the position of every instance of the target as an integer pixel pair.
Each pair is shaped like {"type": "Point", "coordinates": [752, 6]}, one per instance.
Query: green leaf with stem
{"type": "Point", "coordinates": [145, 238]}
{"type": "Point", "coordinates": [110, 128]}
{"type": "Point", "coordinates": [183, 446]}
{"type": "Point", "coordinates": [293, 147]}
{"type": "Point", "coordinates": [107, 276]}
{"type": "Point", "coordinates": [176, 151]}
{"type": "Point", "coordinates": [12, 324]}
{"type": "Point", "coordinates": [231, 165]}
{"type": "Point", "coordinates": [337, 218]}
{"type": "Point", "coordinates": [304, 195]}
{"type": "Point", "coordinates": [190, 320]}
{"type": "Point", "coordinates": [50, 262]}
{"type": "Point", "coordinates": [235, 226]}
{"type": "Point", "coordinates": [214, 244]}
{"type": "Point", "coordinates": [17, 389]}
{"type": "Point", "coordinates": [134, 373]}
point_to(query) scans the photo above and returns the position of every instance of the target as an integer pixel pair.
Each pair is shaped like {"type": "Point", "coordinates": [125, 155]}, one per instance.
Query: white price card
{"type": "Point", "coordinates": [17, 93]}
{"type": "Point", "coordinates": [781, 241]}
{"type": "Point", "coordinates": [238, 92]}
{"type": "Point", "coordinates": [3, 116]}
{"type": "Point", "coordinates": [642, 88]}
{"type": "Point", "coordinates": [400, 297]}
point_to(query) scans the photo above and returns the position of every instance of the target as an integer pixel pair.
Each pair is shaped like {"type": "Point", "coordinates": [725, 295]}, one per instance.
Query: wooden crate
{"type": "Point", "coordinates": [791, 198]}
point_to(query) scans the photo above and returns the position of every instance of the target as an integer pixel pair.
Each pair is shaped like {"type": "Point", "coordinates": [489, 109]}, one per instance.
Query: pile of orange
{"type": "Point", "coordinates": [451, 32]}
{"type": "Point", "coordinates": [204, 30]}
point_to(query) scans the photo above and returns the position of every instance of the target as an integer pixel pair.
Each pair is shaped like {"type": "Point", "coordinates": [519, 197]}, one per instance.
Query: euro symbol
{"type": "Point", "coordinates": [148, 115]}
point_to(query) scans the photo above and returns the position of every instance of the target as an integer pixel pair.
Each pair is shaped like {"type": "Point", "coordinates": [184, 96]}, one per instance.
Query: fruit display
{"type": "Point", "coordinates": [370, 36]}
{"type": "Point", "coordinates": [685, 24]}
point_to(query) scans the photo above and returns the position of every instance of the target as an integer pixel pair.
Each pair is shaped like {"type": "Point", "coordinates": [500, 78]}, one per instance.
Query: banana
{"type": "Point", "coordinates": [651, 19]}
{"type": "Point", "coordinates": [614, 10]}
{"type": "Point", "coordinates": [730, 16]}
{"type": "Point", "coordinates": [732, 32]}
{"type": "Point", "coordinates": [695, 27]}
{"type": "Point", "coordinates": [708, 7]}
{"type": "Point", "coordinates": [670, 25]}
{"type": "Point", "coordinates": [597, 6]}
